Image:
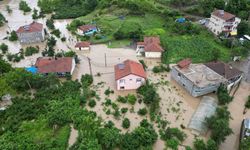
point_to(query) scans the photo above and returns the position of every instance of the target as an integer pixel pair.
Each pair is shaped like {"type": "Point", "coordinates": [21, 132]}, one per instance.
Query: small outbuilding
{"type": "Point", "coordinates": [85, 46]}
{"type": "Point", "coordinates": [87, 30]}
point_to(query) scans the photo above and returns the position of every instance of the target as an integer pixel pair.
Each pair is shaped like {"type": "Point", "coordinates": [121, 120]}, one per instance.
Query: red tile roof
{"type": "Point", "coordinates": [33, 27]}
{"type": "Point", "coordinates": [129, 67]}
{"type": "Point", "coordinates": [223, 15]}
{"type": "Point", "coordinates": [82, 44]}
{"type": "Point", "coordinates": [86, 27]}
{"type": "Point", "coordinates": [151, 44]}
{"type": "Point", "coordinates": [184, 63]}
{"type": "Point", "coordinates": [53, 65]}
{"type": "Point", "coordinates": [223, 69]}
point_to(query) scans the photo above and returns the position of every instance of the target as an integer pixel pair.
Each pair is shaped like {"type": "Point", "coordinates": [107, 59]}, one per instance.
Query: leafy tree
{"type": "Point", "coordinates": [92, 103]}
{"type": "Point", "coordinates": [247, 104]}
{"type": "Point", "coordinates": [24, 6]}
{"type": "Point", "coordinates": [109, 138]}
{"type": "Point", "coordinates": [243, 28]}
{"type": "Point", "coordinates": [142, 111]}
{"type": "Point", "coordinates": [126, 123]}
{"type": "Point", "coordinates": [131, 99]}
{"type": "Point", "coordinates": [173, 144]}
{"type": "Point", "coordinates": [51, 42]}
{"type": "Point", "coordinates": [86, 80]}
{"type": "Point", "coordinates": [199, 144]}
{"type": "Point", "coordinates": [35, 14]}
{"type": "Point", "coordinates": [2, 20]}
{"type": "Point", "coordinates": [56, 32]}
{"type": "Point", "coordinates": [245, 144]}
{"type": "Point", "coordinates": [50, 24]}
{"type": "Point", "coordinates": [4, 48]}
{"type": "Point", "coordinates": [171, 133]}
{"type": "Point", "coordinates": [219, 125]}
{"type": "Point", "coordinates": [13, 36]}
{"type": "Point", "coordinates": [223, 95]}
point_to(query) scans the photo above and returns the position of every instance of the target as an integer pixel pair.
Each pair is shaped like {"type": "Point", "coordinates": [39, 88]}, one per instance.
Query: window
{"type": "Point", "coordinates": [179, 74]}
{"type": "Point", "coordinates": [122, 81]}
{"type": "Point", "coordinates": [130, 79]}
{"type": "Point", "coordinates": [122, 87]}
{"type": "Point", "coordinates": [138, 80]}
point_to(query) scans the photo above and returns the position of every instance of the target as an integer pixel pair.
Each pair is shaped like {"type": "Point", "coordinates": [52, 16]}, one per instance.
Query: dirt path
{"type": "Point", "coordinates": [73, 136]}
{"type": "Point", "coordinates": [236, 108]}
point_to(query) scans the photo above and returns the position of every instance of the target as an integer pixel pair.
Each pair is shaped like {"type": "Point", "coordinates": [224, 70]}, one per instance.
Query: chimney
{"type": "Point", "coordinates": [221, 12]}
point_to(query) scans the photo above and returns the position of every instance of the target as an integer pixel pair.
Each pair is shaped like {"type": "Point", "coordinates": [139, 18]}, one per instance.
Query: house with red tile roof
{"type": "Point", "coordinates": [129, 75]}
{"type": "Point", "coordinates": [151, 47]}
{"type": "Point", "coordinates": [85, 46]}
{"type": "Point", "coordinates": [223, 22]}
{"type": "Point", "coordinates": [87, 29]}
{"type": "Point", "coordinates": [31, 33]}
{"type": "Point", "coordinates": [59, 66]}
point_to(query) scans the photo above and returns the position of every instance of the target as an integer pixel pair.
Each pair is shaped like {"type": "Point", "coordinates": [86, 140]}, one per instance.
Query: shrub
{"type": "Point", "coordinates": [121, 99]}
{"type": "Point", "coordinates": [171, 133]}
{"type": "Point", "coordinates": [35, 14]}
{"type": "Point", "coordinates": [63, 39]}
{"type": "Point", "coordinates": [56, 32]}
{"type": "Point", "coordinates": [158, 69]}
{"type": "Point", "coordinates": [131, 99]}
{"type": "Point", "coordinates": [108, 102]}
{"type": "Point", "coordinates": [2, 20]}
{"type": "Point", "coordinates": [13, 36]}
{"type": "Point", "coordinates": [24, 6]}
{"type": "Point", "coordinates": [30, 51]}
{"type": "Point", "coordinates": [4, 48]}
{"type": "Point", "coordinates": [50, 24]}
{"type": "Point", "coordinates": [223, 95]}
{"type": "Point", "coordinates": [143, 64]}
{"type": "Point", "coordinates": [142, 111]}
{"type": "Point", "coordinates": [173, 144]}
{"type": "Point", "coordinates": [124, 110]}
{"type": "Point", "coordinates": [116, 114]}
{"type": "Point", "coordinates": [92, 103]}
{"type": "Point", "coordinates": [126, 123]}
{"type": "Point", "coordinates": [107, 92]}
{"type": "Point", "coordinates": [247, 104]}
{"type": "Point", "coordinates": [86, 80]}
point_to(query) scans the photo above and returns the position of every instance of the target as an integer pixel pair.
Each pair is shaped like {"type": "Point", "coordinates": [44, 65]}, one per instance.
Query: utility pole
{"type": "Point", "coordinates": [105, 60]}
{"type": "Point", "coordinates": [90, 68]}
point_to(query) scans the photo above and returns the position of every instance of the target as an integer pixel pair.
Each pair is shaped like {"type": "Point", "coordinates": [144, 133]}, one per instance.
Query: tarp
{"type": "Point", "coordinates": [181, 20]}
{"type": "Point", "coordinates": [31, 69]}
{"type": "Point", "coordinates": [206, 109]}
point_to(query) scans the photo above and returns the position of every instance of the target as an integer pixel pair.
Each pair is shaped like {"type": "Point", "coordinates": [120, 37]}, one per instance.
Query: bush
{"type": "Point", "coordinates": [126, 123]}
{"type": "Point", "coordinates": [161, 68]}
{"type": "Point", "coordinates": [107, 92]}
{"type": "Point", "coordinates": [142, 111]}
{"type": "Point", "coordinates": [121, 99]}
{"type": "Point", "coordinates": [63, 39]}
{"type": "Point", "coordinates": [173, 144]}
{"type": "Point", "coordinates": [247, 104]}
{"type": "Point", "coordinates": [50, 24]}
{"type": "Point", "coordinates": [56, 32]}
{"type": "Point", "coordinates": [4, 48]}
{"type": "Point", "coordinates": [24, 6]}
{"type": "Point", "coordinates": [124, 110]}
{"type": "Point", "coordinates": [92, 103]}
{"type": "Point", "coordinates": [30, 51]}
{"type": "Point", "coordinates": [223, 95]}
{"type": "Point", "coordinates": [2, 20]}
{"type": "Point", "coordinates": [131, 99]}
{"type": "Point", "coordinates": [35, 14]}
{"type": "Point", "coordinates": [86, 80]}
{"type": "Point", "coordinates": [13, 36]}
{"type": "Point", "coordinates": [143, 64]}
{"type": "Point", "coordinates": [171, 133]}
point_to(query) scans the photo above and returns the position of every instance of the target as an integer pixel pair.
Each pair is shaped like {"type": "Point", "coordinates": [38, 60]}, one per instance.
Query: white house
{"type": "Point", "coordinates": [129, 75]}
{"type": "Point", "coordinates": [223, 22]}
{"type": "Point", "coordinates": [150, 47]}
{"type": "Point", "coordinates": [85, 46]}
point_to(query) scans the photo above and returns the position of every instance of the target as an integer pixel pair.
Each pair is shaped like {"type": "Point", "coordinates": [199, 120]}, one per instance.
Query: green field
{"type": "Point", "coordinates": [200, 48]}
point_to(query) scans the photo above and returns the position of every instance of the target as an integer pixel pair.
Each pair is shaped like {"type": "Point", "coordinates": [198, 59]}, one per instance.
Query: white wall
{"type": "Point", "coordinates": [153, 54]}
{"type": "Point", "coordinates": [73, 66]}
{"type": "Point", "coordinates": [130, 82]}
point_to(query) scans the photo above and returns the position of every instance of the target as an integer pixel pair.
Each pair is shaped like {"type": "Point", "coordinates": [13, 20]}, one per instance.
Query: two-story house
{"type": "Point", "coordinates": [223, 22]}
{"type": "Point", "coordinates": [32, 33]}
{"type": "Point", "coordinates": [129, 75]}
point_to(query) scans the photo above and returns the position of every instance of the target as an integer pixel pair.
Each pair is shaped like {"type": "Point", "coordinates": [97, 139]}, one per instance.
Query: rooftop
{"type": "Point", "coordinates": [151, 44]}
{"type": "Point", "coordinates": [200, 75]}
{"type": "Point", "coordinates": [223, 14]}
{"type": "Point", "coordinates": [129, 67]}
{"type": "Point", "coordinates": [86, 27]}
{"type": "Point", "coordinates": [33, 27]}
{"type": "Point", "coordinates": [82, 44]}
{"type": "Point", "coordinates": [53, 65]}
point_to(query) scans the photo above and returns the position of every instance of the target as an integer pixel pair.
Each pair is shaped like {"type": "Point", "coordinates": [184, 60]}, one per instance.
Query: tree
{"type": "Point", "coordinates": [24, 6]}
{"type": "Point", "coordinates": [35, 14]}
{"type": "Point", "coordinates": [245, 144]}
{"type": "Point", "coordinates": [4, 48]}
{"type": "Point", "coordinates": [199, 144]}
{"type": "Point", "coordinates": [243, 28]}
{"type": "Point", "coordinates": [109, 138]}
{"type": "Point", "coordinates": [223, 95]}
{"type": "Point", "coordinates": [247, 104]}
{"type": "Point", "coordinates": [13, 36]}
{"type": "Point", "coordinates": [2, 20]}
{"type": "Point", "coordinates": [86, 80]}
{"type": "Point", "coordinates": [126, 123]}
{"type": "Point", "coordinates": [219, 125]}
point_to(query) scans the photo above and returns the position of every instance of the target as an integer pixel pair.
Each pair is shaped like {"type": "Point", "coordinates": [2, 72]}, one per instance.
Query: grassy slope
{"type": "Point", "coordinates": [39, 132]}
{"type": "Point", "coordinates": [197, 47]}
